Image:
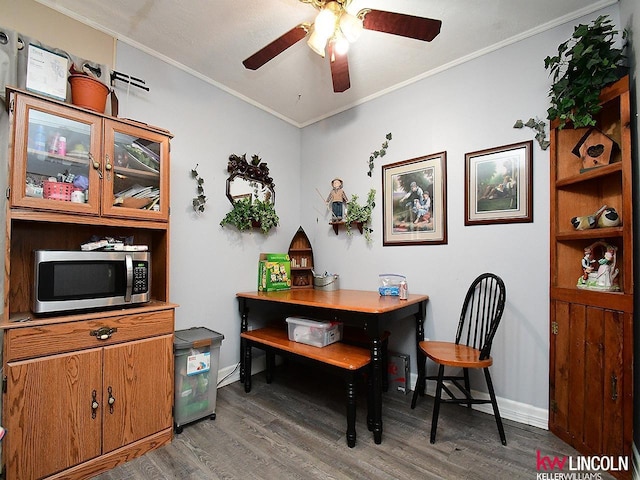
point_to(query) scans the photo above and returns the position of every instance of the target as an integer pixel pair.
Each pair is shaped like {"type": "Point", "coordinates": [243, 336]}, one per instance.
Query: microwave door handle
{"type": "Point", "coordinates": [129, 266]}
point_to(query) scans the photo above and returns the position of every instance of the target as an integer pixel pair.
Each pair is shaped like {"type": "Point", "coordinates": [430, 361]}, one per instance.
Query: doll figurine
{"type": "Point", "coordinates": [337, 200]}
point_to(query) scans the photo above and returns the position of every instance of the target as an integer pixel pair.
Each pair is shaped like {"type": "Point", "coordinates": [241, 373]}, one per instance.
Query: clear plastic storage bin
{"type": "Point", "coordinates": [313, 332]}
{"type": "Point", "coordinates": [197, 354]}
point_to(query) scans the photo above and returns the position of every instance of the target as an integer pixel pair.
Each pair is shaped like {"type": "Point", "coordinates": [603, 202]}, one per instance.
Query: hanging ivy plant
{"type": "Point", "coordinates": [201, 199]}
{"type": "Point", "coordinates": [357, 213]}
{"type": "Point", "coordinates": [247, 214]}
{"type": "Point", "coordinates": [539, 126]}
{"type": "Point", "coordinates": [379, 153]}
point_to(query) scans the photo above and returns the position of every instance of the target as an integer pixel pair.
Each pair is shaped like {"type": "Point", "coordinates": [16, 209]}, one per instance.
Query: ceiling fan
{"type": "Point", "coordinates": [334, 28]}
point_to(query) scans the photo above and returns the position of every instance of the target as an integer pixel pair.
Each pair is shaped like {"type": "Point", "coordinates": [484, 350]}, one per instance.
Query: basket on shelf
{"type": "Point", "coordinates": [58, 190]}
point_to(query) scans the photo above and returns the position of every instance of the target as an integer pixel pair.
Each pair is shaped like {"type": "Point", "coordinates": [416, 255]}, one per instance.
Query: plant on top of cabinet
{"type": "Point", "coordinates": [585, 63]}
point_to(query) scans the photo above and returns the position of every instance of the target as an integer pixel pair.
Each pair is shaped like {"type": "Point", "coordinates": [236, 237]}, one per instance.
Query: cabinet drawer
{"type": "Point", "coordinates": [21, 343]}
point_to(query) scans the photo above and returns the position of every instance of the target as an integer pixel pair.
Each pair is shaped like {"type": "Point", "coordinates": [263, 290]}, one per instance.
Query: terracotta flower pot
{"type": "Point", "coordinates": [88, 92]}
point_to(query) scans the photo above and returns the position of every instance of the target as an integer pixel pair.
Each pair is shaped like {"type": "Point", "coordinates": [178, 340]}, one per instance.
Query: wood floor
{"type": "Point", "coordinates": [295, 429]}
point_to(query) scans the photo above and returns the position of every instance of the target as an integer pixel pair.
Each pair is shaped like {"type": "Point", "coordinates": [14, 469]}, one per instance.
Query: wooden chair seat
{"type": "Point", "coordinates": [481, 313]}
{"type": "Point", "coordinates": [454, 355]}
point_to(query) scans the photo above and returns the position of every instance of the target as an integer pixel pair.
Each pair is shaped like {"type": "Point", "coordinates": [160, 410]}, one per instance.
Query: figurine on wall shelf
{"type": "Point", "coordinates": [337, 200]}
{"type": "Point", "coordinates": [606, 276]}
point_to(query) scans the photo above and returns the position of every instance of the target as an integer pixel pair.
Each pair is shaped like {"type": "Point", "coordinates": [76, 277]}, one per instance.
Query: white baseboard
{"type": "Point", "coordinates": [509, 409]}
{"type": "Point", "coordinates": [231, 374]}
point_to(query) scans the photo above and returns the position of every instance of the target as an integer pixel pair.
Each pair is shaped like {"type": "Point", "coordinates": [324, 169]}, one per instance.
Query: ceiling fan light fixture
{"type": "Point", "coordinates": [325, 23]}
{"type": "Point", "coordinates": [317, 42]}
{"type": "Point", "coordinates": [340, 44]}
{"type": "Point", "coordinates": [350, 26]}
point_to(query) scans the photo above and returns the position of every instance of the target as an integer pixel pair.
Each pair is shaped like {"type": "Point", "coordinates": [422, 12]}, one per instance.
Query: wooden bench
{"type": "Point", "coordinates": [350, 360]}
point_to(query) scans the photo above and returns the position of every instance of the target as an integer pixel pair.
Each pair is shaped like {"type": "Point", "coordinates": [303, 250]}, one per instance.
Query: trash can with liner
{"type": "Point", "coordinates": [197, 354]}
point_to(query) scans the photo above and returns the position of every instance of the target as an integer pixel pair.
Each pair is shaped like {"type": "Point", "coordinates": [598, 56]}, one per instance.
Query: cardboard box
{"type": "Point", "coordinates": [274, 272]}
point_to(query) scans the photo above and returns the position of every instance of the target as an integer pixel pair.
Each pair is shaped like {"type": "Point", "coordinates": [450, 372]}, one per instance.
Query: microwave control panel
{"type": "Point", "coordinates": [140, 277]}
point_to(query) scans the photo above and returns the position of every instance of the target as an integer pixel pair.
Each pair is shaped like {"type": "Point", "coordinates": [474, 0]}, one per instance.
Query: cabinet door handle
{"type": "Point", "coordinates": [108, 167]}
{"type": "Point", "coordinates": [96, 165]}
{"type": "Point", "coordinates": [94, 404]}
{"type": "Point", "coordinates": [111, 400]}
{"type": "Point", "coordinates": [614, 387]}
{"type": "Point", "coordinates": [103, 333]}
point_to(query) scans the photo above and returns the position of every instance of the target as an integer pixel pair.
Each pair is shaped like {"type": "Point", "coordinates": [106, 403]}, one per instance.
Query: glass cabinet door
{"type": "Point", "coordinates": [135, 182]}
{"type": "Point", "coordinates": [54, 165]}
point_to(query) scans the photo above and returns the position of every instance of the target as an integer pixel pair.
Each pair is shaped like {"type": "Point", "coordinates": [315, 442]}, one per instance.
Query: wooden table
{"type": "Point", "coordinates": [364, 309]}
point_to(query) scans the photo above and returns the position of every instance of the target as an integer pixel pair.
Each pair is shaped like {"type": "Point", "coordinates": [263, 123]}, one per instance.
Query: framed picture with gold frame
{"type": "Point", "coordinates": [414, 194]}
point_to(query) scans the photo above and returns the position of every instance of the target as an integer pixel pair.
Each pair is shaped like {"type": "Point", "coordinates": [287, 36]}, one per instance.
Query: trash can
{"type": "Point", "coordinates": [197, 354]}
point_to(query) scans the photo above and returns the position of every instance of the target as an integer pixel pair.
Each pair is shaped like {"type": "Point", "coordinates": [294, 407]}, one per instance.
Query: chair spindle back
{"type": "Point", "coordinates": [481, 313]}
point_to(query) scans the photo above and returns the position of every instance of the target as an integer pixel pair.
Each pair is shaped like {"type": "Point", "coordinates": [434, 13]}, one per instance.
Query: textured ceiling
{"type": "Point", "coordinates": [211, 38]}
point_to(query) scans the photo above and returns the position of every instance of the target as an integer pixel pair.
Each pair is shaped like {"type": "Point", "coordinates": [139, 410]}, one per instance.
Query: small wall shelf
{"type": "Point", "coordinates": [336, 226]}
{"type": "Point", "coordinates": [301, 255]}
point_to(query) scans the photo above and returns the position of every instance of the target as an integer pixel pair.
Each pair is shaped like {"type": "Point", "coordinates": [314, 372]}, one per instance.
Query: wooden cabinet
{"type": "Point", "coordinates": [116, 168]}
{"type": "Point", "coordinates": [591, 320]}
{"type": "Point", "coordinates": [301, 256]}
{"type": "Point", "coordinates": [74, 404]}
{"type": "Point", "coordinates": [87, 402]}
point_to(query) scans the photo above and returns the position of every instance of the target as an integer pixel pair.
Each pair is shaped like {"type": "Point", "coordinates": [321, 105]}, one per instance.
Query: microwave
{"type": "Point", "coordinates": [79, 280]}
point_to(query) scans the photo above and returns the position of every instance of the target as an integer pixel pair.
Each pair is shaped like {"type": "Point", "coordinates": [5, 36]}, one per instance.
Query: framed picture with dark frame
{"type": "Point", "coordinates": [414, 195]}
{"type": "Point", "coordinates": [499, 185]}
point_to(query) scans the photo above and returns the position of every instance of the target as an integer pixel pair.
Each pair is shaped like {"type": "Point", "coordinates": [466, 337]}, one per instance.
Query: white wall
{"type": "Point", "coordinates": [467, 108]}
{"type": "Point", "coordinates": [209, 263]}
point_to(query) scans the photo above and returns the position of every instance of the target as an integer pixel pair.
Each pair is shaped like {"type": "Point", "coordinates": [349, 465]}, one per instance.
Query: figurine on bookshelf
{"type": "Point", "coordinates": [604, 217]}
{"type": "Point", "coordinates": [605, 277]}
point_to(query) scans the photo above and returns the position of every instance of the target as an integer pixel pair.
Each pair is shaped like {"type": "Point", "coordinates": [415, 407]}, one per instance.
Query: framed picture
{"type": "Point", "coordinates": [47, 72]}
{"type": "Point", "coordinates": [499, 185]}
{"type": "Point", "coordinates": [414, 194]}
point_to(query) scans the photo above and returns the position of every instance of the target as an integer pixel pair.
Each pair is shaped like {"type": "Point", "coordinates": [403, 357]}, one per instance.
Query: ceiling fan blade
{"type": "Point", "coordinates": [276, 47]}
{"type": "Point", "coordinates": [409, 26]}
{"type": "Point", "coordinates": [339, 70]}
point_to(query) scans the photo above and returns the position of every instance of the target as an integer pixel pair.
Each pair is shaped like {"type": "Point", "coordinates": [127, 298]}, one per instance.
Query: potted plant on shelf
{"type": "Point", "coordinates": [360, 214]}
{"type": "Point", "coordinates": [585, 63]}
{"type": "Point", "coordinates": [247, 214]}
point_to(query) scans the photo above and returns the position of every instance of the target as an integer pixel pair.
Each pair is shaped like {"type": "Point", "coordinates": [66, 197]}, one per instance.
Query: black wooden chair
{"type": "Point", "coordinates": [481, 313]}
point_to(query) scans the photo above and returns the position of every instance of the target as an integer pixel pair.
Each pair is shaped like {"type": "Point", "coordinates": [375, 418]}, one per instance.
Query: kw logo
{"type": "Point", "coordinates": [548, 463]}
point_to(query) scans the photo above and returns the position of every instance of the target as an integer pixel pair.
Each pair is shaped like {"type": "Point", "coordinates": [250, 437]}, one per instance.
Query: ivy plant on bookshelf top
{"type": "Point", "coordinates": [585, 63]}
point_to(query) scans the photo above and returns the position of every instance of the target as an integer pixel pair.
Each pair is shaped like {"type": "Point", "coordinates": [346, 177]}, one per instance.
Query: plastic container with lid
{"type": "Point", "coordinates": [197, 354]}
